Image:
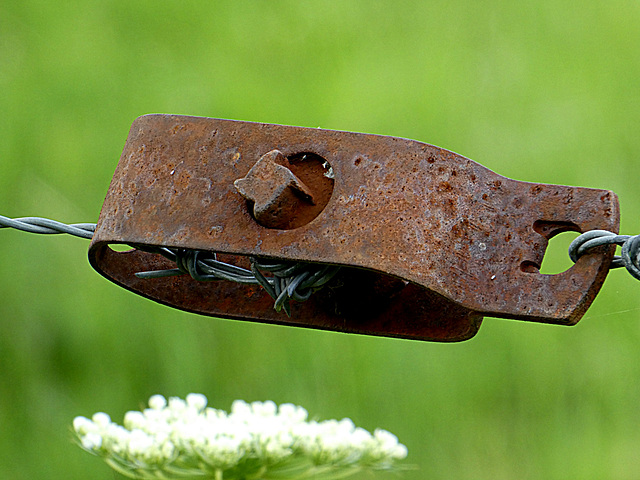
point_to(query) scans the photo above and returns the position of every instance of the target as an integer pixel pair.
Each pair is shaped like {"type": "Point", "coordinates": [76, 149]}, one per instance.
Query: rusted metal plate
{"type": "Point", "coordinates": [434, 241]}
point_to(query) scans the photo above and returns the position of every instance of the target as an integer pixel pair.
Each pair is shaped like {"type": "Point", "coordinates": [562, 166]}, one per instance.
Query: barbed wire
{"type": "Point", "coordinates": [287, 281]}
{"type": "Point", "coordinates": [292, 280]}
{"type": "Point", "coordinates": [629, 255]}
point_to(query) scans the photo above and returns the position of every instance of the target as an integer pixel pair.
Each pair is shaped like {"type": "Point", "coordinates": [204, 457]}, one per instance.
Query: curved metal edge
{"type": "Point", "coordinates": [409, 313]}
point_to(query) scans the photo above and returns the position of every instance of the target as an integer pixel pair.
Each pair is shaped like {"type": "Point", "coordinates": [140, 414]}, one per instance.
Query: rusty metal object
{"type": "Point", "coordinates": [431, 241]}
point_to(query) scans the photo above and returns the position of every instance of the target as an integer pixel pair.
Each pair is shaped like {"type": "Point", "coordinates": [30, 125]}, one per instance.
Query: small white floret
{"type": "Point", "coordinates": [101, 419]}
{"type": "Point", "coordinates": [83, 425]}
{"type": "Point", "coordinates": [157, 402]}
{"type": "Point", "coordinates": [134, 419]}
{"type": "Point", "coordinates": [177, 404]}
{"type": "Point", "coordinates": [91, 441]}
{"type": "Point", "coordinates": [197, 401]}
{"type": "Point", "coordinates": [240, 407]}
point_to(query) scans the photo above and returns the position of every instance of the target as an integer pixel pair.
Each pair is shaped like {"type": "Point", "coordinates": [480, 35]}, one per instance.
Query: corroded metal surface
{"type": "Point", "coordinates": [277, 195]}
{"type": "Point", "coordinates": [434, 241]}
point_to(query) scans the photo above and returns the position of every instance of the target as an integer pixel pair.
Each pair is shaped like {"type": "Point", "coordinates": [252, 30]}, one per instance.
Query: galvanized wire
{"type": "Point", "coordinates": [287, 281]}
{"type": "Point", "coordinates": [629, 255]}
{"type": "Point", "coordinates": [48, 227]}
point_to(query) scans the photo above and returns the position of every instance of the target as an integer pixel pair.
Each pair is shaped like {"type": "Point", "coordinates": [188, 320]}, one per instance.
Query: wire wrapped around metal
{"type": "Point", "coordinates": [288, 281]}
{"type": "Point", "coordinates": [629, 255]}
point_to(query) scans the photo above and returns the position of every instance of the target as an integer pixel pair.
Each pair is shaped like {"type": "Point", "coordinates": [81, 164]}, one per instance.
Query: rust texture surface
{"type": "Point", "coordinates": [434, 241]}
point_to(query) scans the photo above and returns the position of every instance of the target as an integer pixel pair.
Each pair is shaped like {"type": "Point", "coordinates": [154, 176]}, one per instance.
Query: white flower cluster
{"type": "Point", "coordinates": [257, 441]}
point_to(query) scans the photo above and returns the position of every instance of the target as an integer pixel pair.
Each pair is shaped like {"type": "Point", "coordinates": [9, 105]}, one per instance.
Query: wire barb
{"type": "Point", "coordinates": [288, 280]}
{"type": "Point", "coordinates": [629, 256]}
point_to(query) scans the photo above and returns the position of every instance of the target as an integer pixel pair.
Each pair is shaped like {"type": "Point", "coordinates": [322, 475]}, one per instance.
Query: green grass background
{"type": "Point", "coordinates": [542, 91]}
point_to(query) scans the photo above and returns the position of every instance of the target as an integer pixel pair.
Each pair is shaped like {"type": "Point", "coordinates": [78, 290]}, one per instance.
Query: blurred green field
{"type": "Point", "coordinates": [545, 92]}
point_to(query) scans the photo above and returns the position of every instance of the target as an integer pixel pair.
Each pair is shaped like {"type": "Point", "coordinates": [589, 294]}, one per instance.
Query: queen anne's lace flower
{"type": "Point", "coordinates": [257, 441]}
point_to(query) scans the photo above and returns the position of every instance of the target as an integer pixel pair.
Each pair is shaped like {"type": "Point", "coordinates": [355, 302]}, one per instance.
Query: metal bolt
{"type": "Point", "coordinates": [276, 193]}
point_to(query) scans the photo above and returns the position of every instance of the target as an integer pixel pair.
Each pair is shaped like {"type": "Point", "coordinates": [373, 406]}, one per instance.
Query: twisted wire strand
{"type": "Point", "coordinates": [46, 226]}
{"type": "Point", "coordinates": [287, 281]}
{"type": "Point", "coordinates": [629, 255]}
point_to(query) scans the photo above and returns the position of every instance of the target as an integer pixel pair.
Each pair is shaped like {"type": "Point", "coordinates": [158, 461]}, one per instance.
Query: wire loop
{"type": "Point", "coordinates": [629, 256]}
